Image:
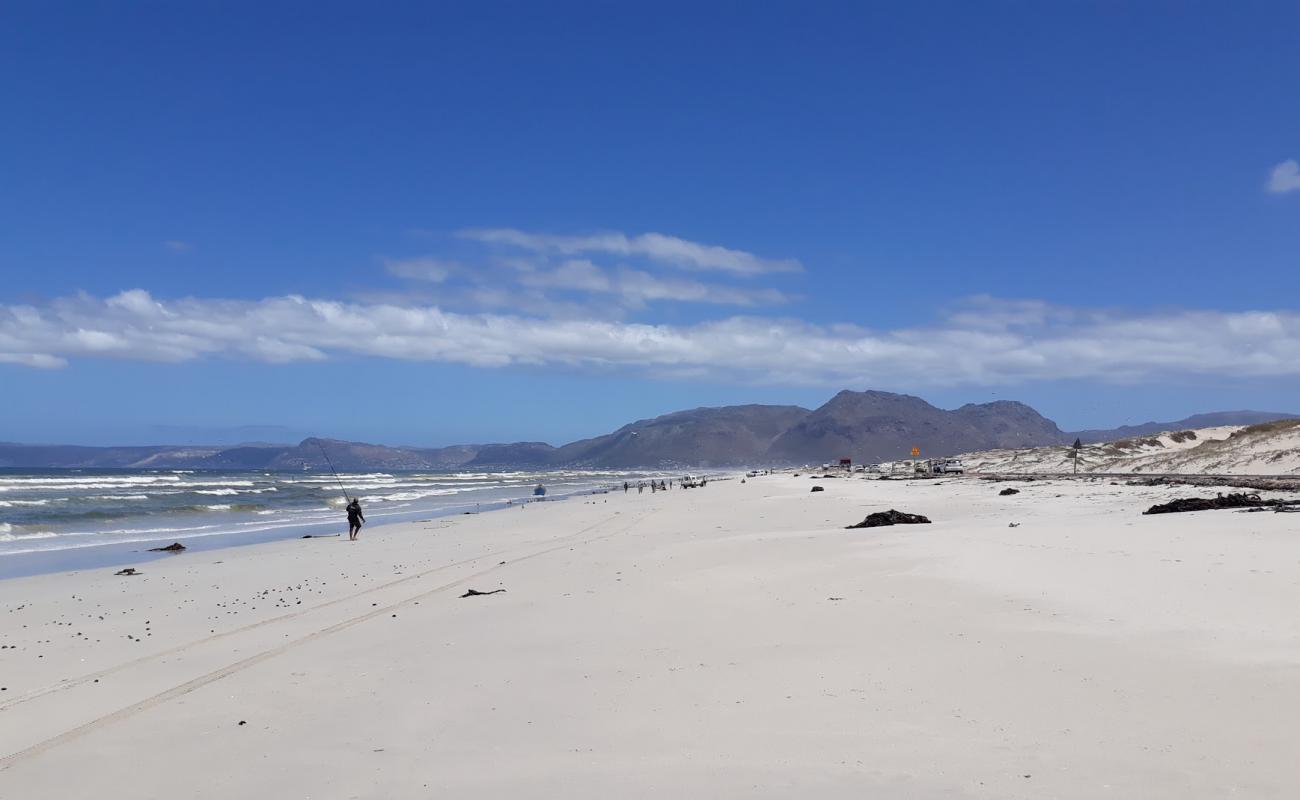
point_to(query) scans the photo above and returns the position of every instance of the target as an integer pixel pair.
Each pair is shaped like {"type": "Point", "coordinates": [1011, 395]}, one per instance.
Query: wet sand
{"type": "Point", "coordinates": [732, 641]}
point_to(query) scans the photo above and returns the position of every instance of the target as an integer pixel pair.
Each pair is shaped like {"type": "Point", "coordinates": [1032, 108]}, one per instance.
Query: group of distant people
{"type": "Point", "coordinates": [356, 518]}
{"type": "Point", "coordinates": [661, 485]}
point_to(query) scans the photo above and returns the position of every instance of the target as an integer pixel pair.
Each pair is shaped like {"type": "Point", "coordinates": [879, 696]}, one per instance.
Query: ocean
{"type": "Point", "coordinates": [54, 511]}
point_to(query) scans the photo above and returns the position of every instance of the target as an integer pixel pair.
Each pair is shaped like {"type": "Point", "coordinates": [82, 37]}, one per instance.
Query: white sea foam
{"type": "Point", "coordinates": [120, 480]}
{"type": "Point", "coordinates": [7, 535]}
{"type": "Point", "coordinates": [388, 498]}
{"type": "Point", "coordinates": [48, 484]}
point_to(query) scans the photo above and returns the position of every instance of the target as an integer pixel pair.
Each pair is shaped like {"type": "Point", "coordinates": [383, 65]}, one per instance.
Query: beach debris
{"type": "Point", "coordinates": [1233, 500]}
{"type": "Point", "coordinates": [1256, 482]}
{"type": "Point", "coordinates": [890, 517]}
{"type": "Point", "coordinates": [1008, 491]}
{"type": "Point", "coordinates": [243, 722]}
{"type": "Point", "coordinates": [174, 547]}
{"type": "Point", "coordinates": [477, 593]}
{"type": "Point", "coordinates": [320, 535]}
{"type": "Point", "coordinates": [127, 571]}
{"type": "Point", "coordinates": [819, 488]}
{"type": "Point", "coordinates": [1013, 524]}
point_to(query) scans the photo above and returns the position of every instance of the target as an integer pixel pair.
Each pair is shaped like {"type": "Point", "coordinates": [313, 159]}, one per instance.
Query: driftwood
{"type": "Point", "coordinates": [890, 517]}
{"type": "Point", "coordinates": [174, 547]}
{"type": "Point", "coordinates": [477, 593]}
{"type": "Point", "coordinates": [1233, 500]}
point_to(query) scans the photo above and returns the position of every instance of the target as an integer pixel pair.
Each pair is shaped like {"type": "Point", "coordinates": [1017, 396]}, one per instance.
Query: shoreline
{"type": "Point", "coordinates": [111, 554]}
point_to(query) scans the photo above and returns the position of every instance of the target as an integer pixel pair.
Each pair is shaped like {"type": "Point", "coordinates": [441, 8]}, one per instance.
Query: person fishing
{"type": "Point", "coordinates": [355, 519]}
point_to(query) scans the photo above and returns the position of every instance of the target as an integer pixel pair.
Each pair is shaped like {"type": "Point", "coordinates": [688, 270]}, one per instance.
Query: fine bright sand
{"type": "Point", "coordinates": [731, 641]}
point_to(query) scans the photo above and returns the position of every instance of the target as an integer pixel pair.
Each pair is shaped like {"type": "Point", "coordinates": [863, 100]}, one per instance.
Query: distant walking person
{"type": "Point", "coordinates": [355, 519]}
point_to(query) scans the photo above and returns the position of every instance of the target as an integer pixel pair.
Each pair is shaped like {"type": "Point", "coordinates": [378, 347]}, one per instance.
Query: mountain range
{"type": "Point", "coordinates": [868, 426]}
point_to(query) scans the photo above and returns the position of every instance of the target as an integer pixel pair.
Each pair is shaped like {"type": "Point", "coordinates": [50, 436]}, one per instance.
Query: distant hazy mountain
{"type": "Point", "coordinates": [865, 426]}
{"type": "Point", "coordinates": [730, 435]}
{"type": "Point", "coordinates": [310, 453]}
{"type": "Point", "coordinates": [39, 456]}
{"type": "Point", "coordinates": [520, 454]}
{"type": "Point", "coordinates": [449, 457]}
{"type": "Point", "coordinates": [880, 426]}
{"type": "Point", "coordinates": [1212, 420]}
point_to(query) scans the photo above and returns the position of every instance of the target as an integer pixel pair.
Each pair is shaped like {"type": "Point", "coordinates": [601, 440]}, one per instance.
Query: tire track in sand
{"type": "Point", "coordinates": [187, 687]}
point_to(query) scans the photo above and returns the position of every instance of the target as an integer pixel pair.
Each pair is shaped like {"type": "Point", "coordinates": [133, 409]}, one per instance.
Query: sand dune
{"type": "Point", "coordinates": [1271, 448]}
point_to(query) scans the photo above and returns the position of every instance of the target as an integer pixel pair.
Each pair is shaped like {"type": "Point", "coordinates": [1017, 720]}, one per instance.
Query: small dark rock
{"type": "Point", "coordinates": [127, 571]}
{"type": "Point", "coordinates": [890, 517]}
{"type": "Point", "coordinates": [819, 488]}
{"type": "Point", "coordinates": [1009, 491]}
{"type": "Point", "coordinates": [174, 547]}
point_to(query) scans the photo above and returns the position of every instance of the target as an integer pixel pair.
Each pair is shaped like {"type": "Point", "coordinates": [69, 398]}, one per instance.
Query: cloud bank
{"type": "Point", "coordinates": [983, 341]}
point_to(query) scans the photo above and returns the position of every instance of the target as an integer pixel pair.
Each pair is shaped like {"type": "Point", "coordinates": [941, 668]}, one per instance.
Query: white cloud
{"type": "Point", "coordinates": [37, 360]}
{"type": "Point", "coordinates": [177, 246]}
{"type": "Point", "coordinates": [425, 268]}
{"type": "Point", "coordinates": [1049, 343]}
{"type": "Point", "coordinates": [637, 287]}
{"type": "Point", "coordinates": [1285, 177]}
{"type": "Point", "coordinates": [655, 247]}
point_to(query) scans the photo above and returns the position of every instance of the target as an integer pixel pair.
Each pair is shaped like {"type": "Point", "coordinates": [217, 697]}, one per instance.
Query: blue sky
{"type": "Point", "coordinates": [434, 223]}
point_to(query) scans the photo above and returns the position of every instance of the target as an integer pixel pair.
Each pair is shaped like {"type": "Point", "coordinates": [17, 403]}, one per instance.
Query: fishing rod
{"type": "Point", "coordinates": [336, 474]}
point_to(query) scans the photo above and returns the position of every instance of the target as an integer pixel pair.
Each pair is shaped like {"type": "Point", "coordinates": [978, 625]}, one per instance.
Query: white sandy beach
{"type": "Point", "coordinates": [733, 641]}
